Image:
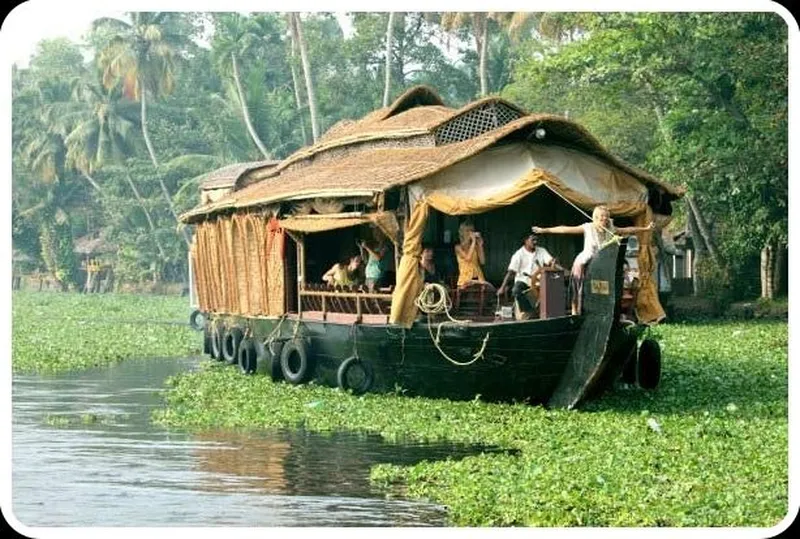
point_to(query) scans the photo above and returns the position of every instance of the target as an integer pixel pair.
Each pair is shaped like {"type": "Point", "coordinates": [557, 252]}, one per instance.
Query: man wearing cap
{"type": "Point", "coordinates": [524, 263]}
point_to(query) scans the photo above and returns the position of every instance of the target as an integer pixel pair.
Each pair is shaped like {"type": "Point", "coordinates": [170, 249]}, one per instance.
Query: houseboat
{"type": "Point", "coordinates": [408, 175]}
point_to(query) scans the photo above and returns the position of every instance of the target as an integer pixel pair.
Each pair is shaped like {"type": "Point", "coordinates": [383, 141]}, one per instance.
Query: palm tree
{"type": "Point", "coordinates": [479, 23]}
{"type": "Point", "coordinates": [296, 33]}
{"type": "Point", "coordinates": [39, 153]}
{"type": "Point", "coordinates": [104, 135]}
{"type": "Point", "coordinates": [141, 55]}
{"type": "Point", "coordinates": [231, 38]}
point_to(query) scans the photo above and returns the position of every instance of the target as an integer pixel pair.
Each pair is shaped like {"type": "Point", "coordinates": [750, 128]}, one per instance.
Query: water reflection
{"type": "Point", "coordinates": [301, 462]}
{"type": "Point", "coordinates": [109, 466]}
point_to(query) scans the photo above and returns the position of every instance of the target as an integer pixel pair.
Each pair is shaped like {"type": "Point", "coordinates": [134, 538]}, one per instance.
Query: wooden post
{"type": "Point", "coordinates": [324, 308]}
{"type": "Point", "coordinates": [300, 276]}
{"type": "Point", "coordinates": [358, 309]}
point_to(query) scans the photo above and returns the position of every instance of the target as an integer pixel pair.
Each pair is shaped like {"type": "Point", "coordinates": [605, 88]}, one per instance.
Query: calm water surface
{"type": "Point", "coordinates": [85, 454]}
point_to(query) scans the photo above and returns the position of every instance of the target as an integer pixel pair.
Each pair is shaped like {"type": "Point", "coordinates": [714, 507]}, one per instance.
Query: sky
{"type": "Point", "coordinates": [74, 24]}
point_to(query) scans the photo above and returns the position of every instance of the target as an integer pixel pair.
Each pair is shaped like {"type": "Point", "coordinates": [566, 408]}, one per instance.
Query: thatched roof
{"type": "Point", "coordinates": [411, 139]}
{"type": "Point", "coordinates": [19, 256]}
{"type": "Point", "coordinates": [227, 175]}
{"type": "Point", "coordinates": [90, 245]}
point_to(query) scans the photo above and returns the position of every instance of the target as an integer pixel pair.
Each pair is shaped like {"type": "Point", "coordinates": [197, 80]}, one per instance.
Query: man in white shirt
{"type": "Point", "coordinates": [524, 263]}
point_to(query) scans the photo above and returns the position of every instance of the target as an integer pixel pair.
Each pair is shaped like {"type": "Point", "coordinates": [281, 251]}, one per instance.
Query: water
{"type": "Point", "coordinates": [85, 454]}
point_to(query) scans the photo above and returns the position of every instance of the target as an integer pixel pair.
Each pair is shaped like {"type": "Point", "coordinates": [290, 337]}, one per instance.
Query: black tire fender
{"type": "Point", "coordinates": [197, 320]}
{"type": "Point", "coordinates": [346, 368]}
{"type": "Point", "coordinates": [295, 362]}
{"type": "Point", "coordinates": [230, 344]}
{"type": "Point", "coordinates": [246, 356]}
{"type": "Point", "coordinates": [216, 342]}
{"type": "Point", "coordinates": [648, 366]}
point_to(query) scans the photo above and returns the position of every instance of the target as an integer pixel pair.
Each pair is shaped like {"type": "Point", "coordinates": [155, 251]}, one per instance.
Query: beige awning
{"type": "Point", "coordinates": [310, 224]}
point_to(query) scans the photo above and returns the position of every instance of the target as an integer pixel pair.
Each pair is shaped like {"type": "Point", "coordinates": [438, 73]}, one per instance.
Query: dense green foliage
{"type": "Point", "coordinates": [59, 332]}
{"type": "Point", "coordinates": [699, 99]}
{"type": "Point", "coordinates": [708, 448]}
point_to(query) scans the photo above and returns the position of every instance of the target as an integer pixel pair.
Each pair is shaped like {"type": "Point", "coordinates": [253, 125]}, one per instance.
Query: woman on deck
{"type": "Point", "coordinates": [595, 235]}
{"type": "Point", "coordinates": [470, 255]}
{"type": "Point", "coordinates": [375, 254]}
{"type": "Point", "coordinates": [344, 273]}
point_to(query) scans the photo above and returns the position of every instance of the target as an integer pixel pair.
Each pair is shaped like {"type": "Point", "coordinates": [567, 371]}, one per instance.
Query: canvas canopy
{"type": "Point", "coordinates": [504, 175]}
{"type": "Point", "coordinates": [386, 221]}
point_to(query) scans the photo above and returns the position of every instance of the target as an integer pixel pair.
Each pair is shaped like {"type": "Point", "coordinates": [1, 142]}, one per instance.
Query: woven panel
{"type": "Point", "coordinates": [254, 266]}
{"type": "Point", "coordinates": [275, 274]}
{"type": "Point", "coordinates": [475, 122]}
{"type": "Point", "coordinates": [240, 264]}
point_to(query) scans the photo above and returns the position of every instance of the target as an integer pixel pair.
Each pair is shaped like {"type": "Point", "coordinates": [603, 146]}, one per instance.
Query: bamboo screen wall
{"type": "Point", "coordinates": [238, 265]}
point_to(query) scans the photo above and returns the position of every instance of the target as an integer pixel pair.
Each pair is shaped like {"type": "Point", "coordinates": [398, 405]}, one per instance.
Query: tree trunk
{"type": "Point", "coordinates": [388, 81]}
{"type": "Point", "coordinates": [145, 133]}
{"type": "Point", "coordinates": [312, 101]}
{"type": "Point", "coordinates": [482, 54]}
{"type": "Point", "coordinates": [778, 274]}
{"type": "Point", "coordinates": [697, 286]}
{"type": "Point", "coordinates": [93, 183]}
{"type": "Point", "coordinates": [296, 86]}
{"type": "Point", "coordinates": [139, 199]}
{"type": "Point", "coordinates": [703, 229]}
{"type": "Point", "coordinates": [246, 113]}
{"type": "Point", "coordinates": [152, 153]}
{"type": "Point", "coordinates": [767, 267]}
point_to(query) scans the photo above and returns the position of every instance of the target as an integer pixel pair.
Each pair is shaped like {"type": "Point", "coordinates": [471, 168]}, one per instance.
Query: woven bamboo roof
{"type": "Point", "coordinates": [396, 145]}
{"type": "Point", "coordinates": [89, 245]}
{"type": "Point", "coordinates": [227, 175]}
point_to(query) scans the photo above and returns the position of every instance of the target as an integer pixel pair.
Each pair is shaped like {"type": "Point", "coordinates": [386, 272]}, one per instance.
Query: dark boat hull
{"type": "Point", "coordinates": [557, 361]}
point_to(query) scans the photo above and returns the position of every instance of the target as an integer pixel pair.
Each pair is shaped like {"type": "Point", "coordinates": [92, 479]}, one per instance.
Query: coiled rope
{"type": "Point", "coordinates": [434, 300]}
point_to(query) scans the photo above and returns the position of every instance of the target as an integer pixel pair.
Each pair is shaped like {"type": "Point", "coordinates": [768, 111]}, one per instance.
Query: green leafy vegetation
{"type": "Point", "coordinates": [709, 447]}
{"type": "Point", "coordinates": [54, 332]}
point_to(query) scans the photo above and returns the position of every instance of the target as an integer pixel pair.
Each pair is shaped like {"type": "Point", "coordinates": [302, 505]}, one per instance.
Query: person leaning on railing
{"type": "Point", "coordinates": [344, 273]}
{"type": "Point", "coordinates": [595, 235]}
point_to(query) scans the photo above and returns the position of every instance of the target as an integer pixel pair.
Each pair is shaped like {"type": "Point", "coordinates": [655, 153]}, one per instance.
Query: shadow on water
{"type": "Point", "coordinates": [84, 453]}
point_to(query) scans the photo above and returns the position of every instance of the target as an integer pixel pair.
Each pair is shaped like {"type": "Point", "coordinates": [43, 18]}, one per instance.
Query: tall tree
{"type": "Point", "coordinates": [232, 37]}
{"type": "Point", "coordinates": [142, 55]}
{"type": "Point", "coordinates": [105, 135]}
{"type": "Point", "coordinates": [388, 80]}
{"type": "Point", "coordinates": [296, 31]}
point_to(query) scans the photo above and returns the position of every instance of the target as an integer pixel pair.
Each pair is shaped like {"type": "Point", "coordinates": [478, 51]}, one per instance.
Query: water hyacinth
{"type": "Point", "coordinates": [686, 459]}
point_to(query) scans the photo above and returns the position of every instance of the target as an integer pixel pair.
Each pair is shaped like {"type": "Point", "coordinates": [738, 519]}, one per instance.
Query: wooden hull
{"type": "Point", "coordinates": [558, 361]}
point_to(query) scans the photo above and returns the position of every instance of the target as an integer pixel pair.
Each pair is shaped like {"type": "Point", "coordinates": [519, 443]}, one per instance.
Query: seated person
{"type": "Point", "coordinates": [470, 255]}
{"type": "Point", "coordinates": [428, 267]}
{"type": "Point", "coordinates": [345, 273]}
{"type": "Point", "coordinates": [524, 263]}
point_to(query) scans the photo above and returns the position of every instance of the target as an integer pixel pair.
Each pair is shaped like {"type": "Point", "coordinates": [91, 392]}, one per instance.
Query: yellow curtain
{"type": "Point", "coordinates": [523, 187]}
{"type": "Point", "coordinates": [648, 307]}
{"type": "Point", "coordinates": [409, 279]}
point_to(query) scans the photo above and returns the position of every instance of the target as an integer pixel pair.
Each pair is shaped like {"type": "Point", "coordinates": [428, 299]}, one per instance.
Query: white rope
{"type": "Point", "coordinates": [427, 303]}
{"type": "Point", "coordinates": [614, 238]}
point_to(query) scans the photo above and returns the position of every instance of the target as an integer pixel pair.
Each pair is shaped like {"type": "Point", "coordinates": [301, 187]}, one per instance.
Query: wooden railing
{"type": "Point", "coordinates": [324, 299]}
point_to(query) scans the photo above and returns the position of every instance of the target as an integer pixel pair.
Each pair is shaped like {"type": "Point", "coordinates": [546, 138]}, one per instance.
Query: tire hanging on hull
{"type": "Point", "coordinates": [230, 344]}
{"type": "Point", "coordinates": [296, 363]}
{"type": "Point", "coordinates": [352, 365]}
